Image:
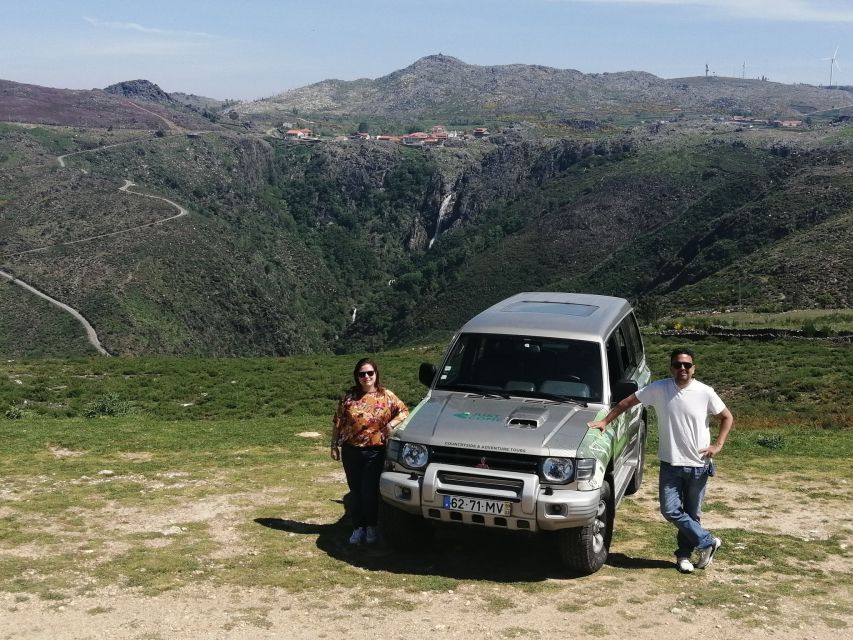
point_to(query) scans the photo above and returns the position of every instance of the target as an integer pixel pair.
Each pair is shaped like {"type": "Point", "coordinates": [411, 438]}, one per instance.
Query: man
{"type": "Point", "coordinates": [683, 406]}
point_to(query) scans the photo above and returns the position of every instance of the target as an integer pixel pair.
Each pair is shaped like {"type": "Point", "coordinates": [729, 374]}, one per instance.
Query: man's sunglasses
{"type": "Point", "coordinates": [681, 365]}
{"type": "Point", "coordinates": [365, 374]}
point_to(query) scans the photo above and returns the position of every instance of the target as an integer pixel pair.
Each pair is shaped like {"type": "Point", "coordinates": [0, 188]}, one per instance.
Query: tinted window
{"type": "Point", "coordinates": [635, 342]}
{"type": "Point", "coordinates": [614, 359]}
{"type": "Point", "coordinates": [496, 363]}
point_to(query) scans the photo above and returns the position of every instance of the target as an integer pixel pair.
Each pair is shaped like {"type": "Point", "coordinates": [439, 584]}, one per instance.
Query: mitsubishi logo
{"type": "Point", "coordinates": [483, 464]}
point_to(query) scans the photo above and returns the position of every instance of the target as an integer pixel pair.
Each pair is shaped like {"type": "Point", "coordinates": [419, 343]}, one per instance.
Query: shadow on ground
{"type": "Point", "coordinates": [459, 552]}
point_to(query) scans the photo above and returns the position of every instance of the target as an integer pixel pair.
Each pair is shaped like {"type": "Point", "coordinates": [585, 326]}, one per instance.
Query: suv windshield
{"type": "Point", "coordinates": [500, 364]}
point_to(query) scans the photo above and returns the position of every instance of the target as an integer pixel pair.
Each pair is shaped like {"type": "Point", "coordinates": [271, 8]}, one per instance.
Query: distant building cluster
{"type": "Point", "coordinates": [767, 123]}
{"type": "Point", "coordinates": [435, 137]}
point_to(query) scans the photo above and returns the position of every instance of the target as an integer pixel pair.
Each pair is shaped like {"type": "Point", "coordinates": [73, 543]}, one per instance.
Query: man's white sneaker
{"type": "Point", "coordinates": [685, 566]}
{"type": "Point", "coordinates": [357, 536]}
{"type": "Point", "coordinates": [371, 536]}
{"type": "Point", "coordinates": [707, 554]}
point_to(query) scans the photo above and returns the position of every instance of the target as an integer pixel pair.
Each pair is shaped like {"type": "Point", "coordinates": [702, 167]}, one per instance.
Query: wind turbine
{"type": "Point", "coordinates": [833, 63]}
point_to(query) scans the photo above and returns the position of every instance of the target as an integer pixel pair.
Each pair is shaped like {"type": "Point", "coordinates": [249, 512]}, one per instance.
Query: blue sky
{"type": "Point", "coordinates": [255, 48]}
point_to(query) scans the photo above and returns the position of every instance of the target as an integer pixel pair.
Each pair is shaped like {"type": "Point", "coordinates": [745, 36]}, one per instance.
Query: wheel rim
{"type": "Point", "coordinates": [599, 527]}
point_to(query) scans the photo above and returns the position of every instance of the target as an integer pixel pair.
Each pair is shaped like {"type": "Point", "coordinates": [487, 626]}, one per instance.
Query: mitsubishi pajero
{"type": "Point", "coordinates": [501, 438]}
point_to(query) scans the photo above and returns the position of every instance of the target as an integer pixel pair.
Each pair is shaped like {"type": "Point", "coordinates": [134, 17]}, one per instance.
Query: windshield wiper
{"type": "Point", "coordinates": [473, 388]}
{"type": "Point", "coordinates": [550, 396]}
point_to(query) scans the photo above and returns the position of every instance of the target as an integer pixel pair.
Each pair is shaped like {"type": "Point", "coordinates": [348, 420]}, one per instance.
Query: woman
{"type": "Point", "coordinates": [365, 417]}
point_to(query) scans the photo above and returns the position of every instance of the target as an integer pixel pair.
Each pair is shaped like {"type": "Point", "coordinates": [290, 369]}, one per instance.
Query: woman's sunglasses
{"type": "Point", "coordinates": [365, 374]}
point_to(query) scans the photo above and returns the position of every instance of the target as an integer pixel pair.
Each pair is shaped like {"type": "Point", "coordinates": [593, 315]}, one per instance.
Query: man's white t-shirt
{"type": "Point", "coordinates": [682, 419]}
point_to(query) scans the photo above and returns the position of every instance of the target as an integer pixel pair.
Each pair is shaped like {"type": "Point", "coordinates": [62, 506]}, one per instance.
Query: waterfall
{"type": "Point", "coordinates": [446, 204]}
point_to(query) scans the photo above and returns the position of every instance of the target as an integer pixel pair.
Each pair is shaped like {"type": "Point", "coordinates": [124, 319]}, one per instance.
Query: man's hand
{"type": "Point", "coordinates": [601, 425]}
{"type": "Point", "coordinates": [710, 451]}
{"type": "Point", "coordinates": [335, 452]}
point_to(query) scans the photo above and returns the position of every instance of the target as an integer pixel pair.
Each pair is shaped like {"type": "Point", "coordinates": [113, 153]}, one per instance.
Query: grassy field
{"type": "Point", "coordinates": [825, 320]}
{"type": "Point", "coordinates": [217, 472]}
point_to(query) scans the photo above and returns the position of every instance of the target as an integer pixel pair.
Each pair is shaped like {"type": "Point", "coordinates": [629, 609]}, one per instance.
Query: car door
{"type": "Point", "coordinates": [625, 361]}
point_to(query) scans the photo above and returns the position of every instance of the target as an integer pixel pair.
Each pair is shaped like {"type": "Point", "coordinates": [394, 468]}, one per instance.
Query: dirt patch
{"type": "Point", "coordinates": [600, 608]}
{"type": "Point", "coordinates": [335, 477]}
{"type": "Point", "coordinates": [138, 456]}
{"type": "Point", "coordinates": [62, 452]}
{"type": "Point", "coordinates": [643, 600]}
{"type": "Point", "coordinates": [790, 507]}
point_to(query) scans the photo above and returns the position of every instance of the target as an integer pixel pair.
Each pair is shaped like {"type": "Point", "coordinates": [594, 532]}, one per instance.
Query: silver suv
{"type": "Point", "coordinates": [501, 438]}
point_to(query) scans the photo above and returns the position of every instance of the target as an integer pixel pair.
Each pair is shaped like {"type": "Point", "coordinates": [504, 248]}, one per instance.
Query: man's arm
{"type": "Point", "coordinates": [726, 422]}
{"type": "Point", "coordinates": [615, 412]}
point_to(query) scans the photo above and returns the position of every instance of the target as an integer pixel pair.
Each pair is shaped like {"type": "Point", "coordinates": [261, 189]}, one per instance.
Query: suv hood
{"type": "Point", "coordinates": [517, 425]}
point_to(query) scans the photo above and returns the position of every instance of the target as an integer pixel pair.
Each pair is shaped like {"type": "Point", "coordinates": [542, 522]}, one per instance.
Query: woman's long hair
{"type": "Point", "coordinates": [356, 389]}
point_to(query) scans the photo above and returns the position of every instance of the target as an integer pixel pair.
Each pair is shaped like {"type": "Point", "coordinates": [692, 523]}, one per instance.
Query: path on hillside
{"type": "Point", "coordinates": [172, 126]}
{"type": "Point", "coordinates": [182, 211]}
{"type": "Point", "coordinates": [61, 159]}
{"type": "Point", "coordinates": [91, 334]}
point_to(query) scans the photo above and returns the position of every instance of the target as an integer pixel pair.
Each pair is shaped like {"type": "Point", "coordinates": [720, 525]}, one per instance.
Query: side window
{"type": "Point", "coordinates": [624, 351]}
{"type": "Point", "coordinates": [614, 362]}
{"type": "Point", "coordinates": [635, 341]}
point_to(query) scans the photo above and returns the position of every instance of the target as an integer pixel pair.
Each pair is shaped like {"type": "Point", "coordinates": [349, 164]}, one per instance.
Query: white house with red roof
{"type": "Point", "coordinates": [297, 134]}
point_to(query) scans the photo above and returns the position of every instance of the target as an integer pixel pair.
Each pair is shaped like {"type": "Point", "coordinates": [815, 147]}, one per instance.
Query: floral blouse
{"type": "Point", "coordinates": [367, 421]}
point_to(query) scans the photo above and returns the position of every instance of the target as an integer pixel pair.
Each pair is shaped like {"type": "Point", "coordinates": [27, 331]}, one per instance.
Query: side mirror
{"type": "Point", "coordinates": [426, 374]}
{"type": "Point", "coordinates": [623, 389]}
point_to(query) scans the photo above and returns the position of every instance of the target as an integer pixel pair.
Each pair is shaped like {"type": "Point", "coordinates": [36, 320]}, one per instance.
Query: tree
{"type": "Point", "coordinates": [363, 127]}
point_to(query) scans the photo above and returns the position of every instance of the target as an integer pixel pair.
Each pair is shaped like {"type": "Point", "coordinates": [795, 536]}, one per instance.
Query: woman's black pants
{"type": "Point", "coordinates": [363, 466]}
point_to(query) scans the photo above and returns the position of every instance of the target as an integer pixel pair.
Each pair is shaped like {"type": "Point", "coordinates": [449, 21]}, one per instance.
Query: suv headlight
{"type": "Point", "coordinates": [413, 456]}
{"type": "Point", "coordinates": [560, 470]}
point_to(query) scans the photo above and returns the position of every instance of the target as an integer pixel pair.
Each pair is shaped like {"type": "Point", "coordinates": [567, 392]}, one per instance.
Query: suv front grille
{"type": "Point", "coordinates": [497, 460]}
{"type": "Point", "coordinates": [475, 482]}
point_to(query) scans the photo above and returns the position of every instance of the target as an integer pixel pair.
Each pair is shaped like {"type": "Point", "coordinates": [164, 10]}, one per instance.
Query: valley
{"type": "Point", "coordinates": [341, 245]}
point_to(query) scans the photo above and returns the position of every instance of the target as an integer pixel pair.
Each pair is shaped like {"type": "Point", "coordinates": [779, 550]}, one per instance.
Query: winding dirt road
{"type": "Point", "coordinates": [91, 334]}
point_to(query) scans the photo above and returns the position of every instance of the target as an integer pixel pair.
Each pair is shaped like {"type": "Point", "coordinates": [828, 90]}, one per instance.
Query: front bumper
{"type": "Point", "coordinates": [532, 508]}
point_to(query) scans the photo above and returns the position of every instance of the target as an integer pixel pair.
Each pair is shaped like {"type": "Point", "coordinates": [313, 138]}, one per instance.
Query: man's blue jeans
{"type": "Point", "coordinates": [681, 491]}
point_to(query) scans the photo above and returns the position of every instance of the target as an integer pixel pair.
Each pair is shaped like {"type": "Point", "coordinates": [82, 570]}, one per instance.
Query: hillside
{"type": "Point", "coordinates": [444, 87]}
{"type": "Point", "coordinates": [94, 108]}
{"type": "Point", "coordinates": [339, 245]}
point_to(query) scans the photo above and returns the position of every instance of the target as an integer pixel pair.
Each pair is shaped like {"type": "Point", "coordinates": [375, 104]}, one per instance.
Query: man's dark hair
{"type": "Point", "coordinates": [679, 352]}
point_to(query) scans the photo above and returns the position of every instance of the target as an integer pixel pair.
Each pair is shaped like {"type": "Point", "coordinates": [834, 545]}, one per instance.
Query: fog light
{"type": "Point", "coordinates": [406, 493]}
{"type": "Point", "coordinates": [554, 509]}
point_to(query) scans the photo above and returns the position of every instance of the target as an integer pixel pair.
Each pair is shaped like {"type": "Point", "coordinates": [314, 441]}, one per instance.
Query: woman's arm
{"type": "Point", "coordinates": [336, 432]}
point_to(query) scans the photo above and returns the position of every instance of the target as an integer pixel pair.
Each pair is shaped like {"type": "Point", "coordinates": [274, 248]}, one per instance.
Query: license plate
{"type": "Point", "coordinates": [477, 505]}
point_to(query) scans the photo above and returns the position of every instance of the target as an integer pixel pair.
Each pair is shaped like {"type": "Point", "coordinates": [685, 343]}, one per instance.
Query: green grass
{"type": "Point", "coordinates": [834, 320]}
{"type": "Point", "coordinates": [218, 494]}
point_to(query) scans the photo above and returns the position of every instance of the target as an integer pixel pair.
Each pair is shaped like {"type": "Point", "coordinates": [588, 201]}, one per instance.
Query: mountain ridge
{"type": "Point", "coordinates": [442, 85]}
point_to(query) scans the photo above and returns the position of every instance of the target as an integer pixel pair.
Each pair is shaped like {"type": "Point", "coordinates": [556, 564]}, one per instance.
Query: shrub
{"type": "Point", "coordinates": [109, 404]}
{"type": "Point", "coordinates": [771, 442]}
{"type": "Point", "coordinates": [809, 329]}
{"type": "Point", "coordinates": [13, 413]}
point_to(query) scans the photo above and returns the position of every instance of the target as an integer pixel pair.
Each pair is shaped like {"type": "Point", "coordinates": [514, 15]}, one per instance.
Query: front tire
{"type": "Point", "coordinates": [584, 550]}
{"type": "Point", "coordinates": [403, 531]}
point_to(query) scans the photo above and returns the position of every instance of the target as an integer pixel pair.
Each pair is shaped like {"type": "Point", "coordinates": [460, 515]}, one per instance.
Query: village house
{"type": "Point", "coordinates": [416, 139]}
{"type": "Point", "coordinates": [481, 132]}
{"type": "Point", "coordinates": [359, 135]}
{"type": "Point", "coordinates": [297, 134]}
